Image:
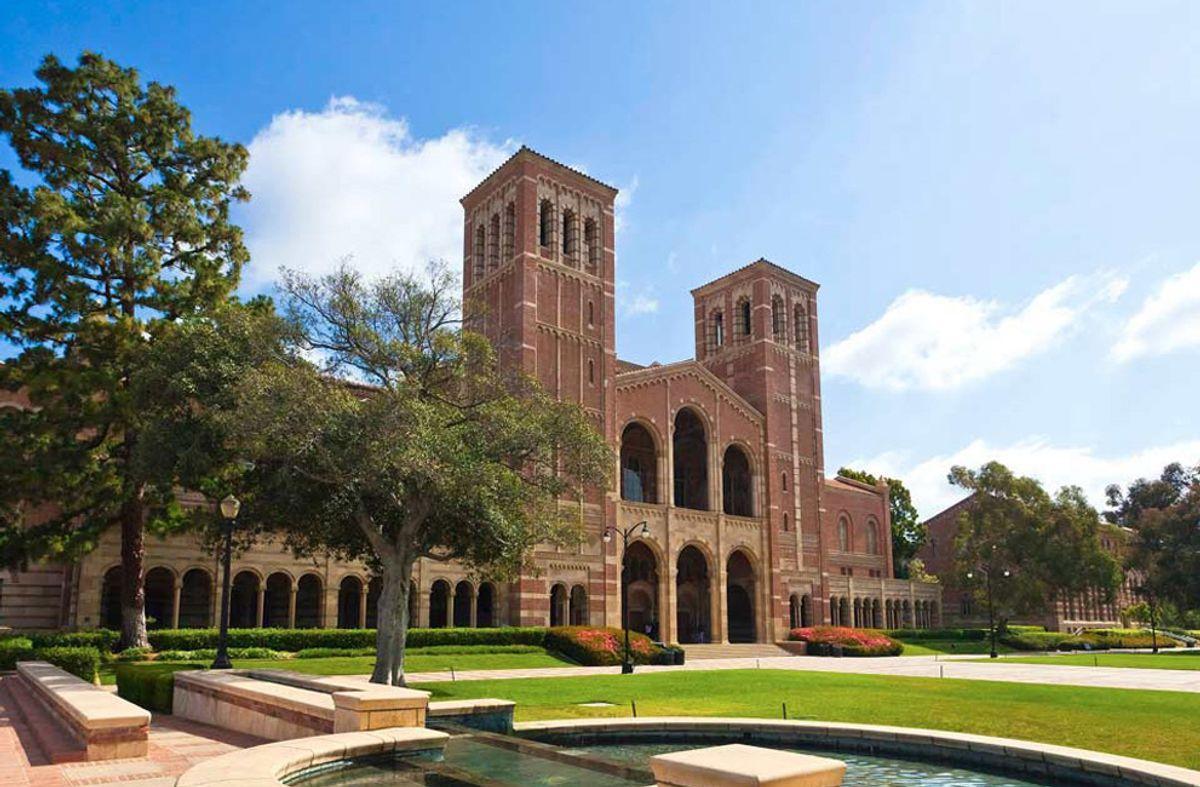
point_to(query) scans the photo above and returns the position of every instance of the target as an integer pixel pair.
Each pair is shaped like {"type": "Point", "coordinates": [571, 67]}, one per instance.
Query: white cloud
{"type": "Point", "coordinates": [350, 180]}
{"type": "Point", "coordinates": [1168, 320]}
{"type": "Point", "coordinates": [938, 342]}
{"type": "Point", "coordinates": [631, 304]}
{"type": "Point", "coordinates": [1055, 466]}
{"type": "Point", "coordinates": [621, 205]}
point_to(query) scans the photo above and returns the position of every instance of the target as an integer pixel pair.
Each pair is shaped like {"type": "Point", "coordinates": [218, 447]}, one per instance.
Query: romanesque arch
{"type": "Point", "coordinates": [737, 491]}
{"type": "Point", "coordinates": [350, 598]}
{"type": "Point", "coordinates": [558, 605]}
{"type": "Point", "coordinates": [464, 602]}
{"type": "Point", "coordinates": [639, 465]}
{"type": "Point", "coordinates": [579, 606]}
{"type": "Point", "coordinates": [277, 600]}
{"type": "Point", "coordinates": [439, 604]}
{"type": "Point", "coordinates": [195, 599]}
{"type": "Point", "coordinates": [485, 606]}
{"type": "Point", "coordinates": [693, 596]}
{"type": "Point", "coordinates": [160, 597]}
{"type": "Point", "coordinates": [374, 589]}
{"type": "Point", "coordinates": [806, 611]}
{"type": "Point", "coordinates": [243, 600]}
{"type": "Point", "coordinates": [689, 444]}
{"type": "Point", "coordinates": [110, 599]}
{"type": "Point", "coordinates": [739, 597]}
{"type": "Point", "coordinates": [794, 611]}
{"type": "Point", "coordinates": [641, 580]}
{"type": "Point", "coordinates": [309, 602]}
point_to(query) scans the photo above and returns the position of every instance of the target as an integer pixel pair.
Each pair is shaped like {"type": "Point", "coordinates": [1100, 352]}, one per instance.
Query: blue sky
{"type": "Point", "coordinates": [999, 200]}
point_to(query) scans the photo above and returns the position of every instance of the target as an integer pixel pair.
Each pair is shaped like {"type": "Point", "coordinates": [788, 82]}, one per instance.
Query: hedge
{"type": "Point", "coordinates": [209, 654]}
{"type": "Point", "coordinates": [1044, 640]}
{"type": "Point", "coordinates": [597, 646]}
{"type": "Point", "coordinates": [14, 649]}
{"type": "Point", "coordinates": [151, 686]}
{"type": "Point", "coordinates": [103, 640]}
{"type": "Point", "coordinates": [81, 661]}
{"type": "Point", "coordinates": [962, 635]}
{"type": "Point", "coordinates": [1126, 638]}
{"type": "Point", "coordinates": [825, 640]}
{"type": "Point", "coordinates": [292, 640]}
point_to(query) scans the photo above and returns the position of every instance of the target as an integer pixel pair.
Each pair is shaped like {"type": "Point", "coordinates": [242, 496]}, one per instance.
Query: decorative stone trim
{"type": "Point", "coordinates": [1044, 761]}
{"type": "Point", "coordinates": [269, 764]}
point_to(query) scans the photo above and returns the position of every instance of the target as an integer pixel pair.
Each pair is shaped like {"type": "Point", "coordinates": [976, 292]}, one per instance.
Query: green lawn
{"type": "Point", "coordinates": [930, 647]}
{"type": "Point", "coordinates": [1170, 660]}
{"type": "Point", "coordinates": [1154, 725]}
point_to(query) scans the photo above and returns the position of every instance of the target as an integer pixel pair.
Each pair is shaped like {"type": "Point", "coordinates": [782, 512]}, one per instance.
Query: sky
{"type": "Point", "coordinates": [999, 200]}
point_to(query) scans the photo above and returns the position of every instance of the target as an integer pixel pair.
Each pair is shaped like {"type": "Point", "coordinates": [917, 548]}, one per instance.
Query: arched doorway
{"type": "Point", "coordinates": [739, 598]}
{"type": "Point", "coordinates": [737, 491]}
{"type": "Point", "coordinates": [464, 600]}
{"type": "Point", "coordinates": [690, 449]}
{"type": "Point", "coordinates": [806, 612]}
{"type": "Point", "coordinates": [439, 604]}
{"type": "Point", "coordinates": [160, 597]}
{"type": "Point", "coordinates": [558, 605]}
{"type": "Point", "coordinates": [110, 599]}
{"type": "Point", "coordinates": [579, 606]}
{"type": "Point", "coordinates": [794, 612]}
{"type": "Point", "coordinates": [639, 465]}
{"type": "Point", "coordinates": [349, 602]}
{"type": "Point", "coordinates": [195, 600]}
{"type": "Point", "coordinates": [308, 602]}
{"type": "Point", "coordinates": [276, 600]}
{"type": "Point", "coordinates": [485, 606]}
{"type": "Point", "coordinates": [374, 589]}
{"type": "Point", "coordinates": [641, 578]}
{"type": "Point", "coordinates": [243, 601]}
{"type": "Point", "coordinates": [693, 596]}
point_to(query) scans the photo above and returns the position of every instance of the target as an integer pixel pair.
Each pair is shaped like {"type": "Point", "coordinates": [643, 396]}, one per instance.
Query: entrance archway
{"type": "Point", "coordinates": [349, 602]}
{"type": "Point", "coordinates": [464, 599]}
{"type": "Point", "coordinates": [690, 448]}
{"type": "Point", "coordinates": [160, 598]}
{"type": "Point", "coordinates": [579, 606]}
{"type": "Point", "coordinates": [558, 605]}
{"type": "Point", "coordinates": [693, 596]}
{"type": "Point", "coordinates": [277, 600]}
{"type": "Point", "coordinates": [641, 578]}
{"type": "Point", "coordinates": [739, 598]}
{"type": "Point", "coordinates": [243, 601]}
{"type": "Point", "coordinates": [110, 599]}
{"type": "Point", "coordinates": [195, 600]}
{"type": "Point", "coordinates": [485, 604]}
{"type": "Point", "coordinates": [308, 602]}
{"type": "Point", "coordinates": [439, 604]}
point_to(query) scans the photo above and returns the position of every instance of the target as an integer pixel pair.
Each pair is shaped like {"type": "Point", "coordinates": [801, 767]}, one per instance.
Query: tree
{"type": "Point", "coordinates": [126, 230]}
{"type": "Point", "coordinates": [1030, 547]}
{"type": "Point", "coordinates": [1126, 507]}
{"type": "Point", "coordinates": [908, 532]}
{"type": "Point", "coordinates": [404, 440]}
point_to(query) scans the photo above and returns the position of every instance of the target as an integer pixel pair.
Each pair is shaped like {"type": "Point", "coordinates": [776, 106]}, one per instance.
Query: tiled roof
{"type": "Point", "coordinates": [759, 261]}
{"type": "Point", "coordinates": [547, 159]}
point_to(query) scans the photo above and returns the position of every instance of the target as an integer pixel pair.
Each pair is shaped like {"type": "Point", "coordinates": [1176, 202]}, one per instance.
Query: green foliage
{"type": "Point", "coordinates": [81, 661]}
{"type": "Point", "coordinates": [209, 654]}
{"type": "Point", "coordinates": [1126, 638]}
{"type": "Point", "coordinates": [325, 653]}
{"type": "Point", "coordinates": [14, 649]}
{"type": "Point", "coordinates": [134, 654]}
{"type": "Point", "coordinates": [908, 531]}
{"type": "Point", "coordinates": [433, 650]}
{"type": "Point", "coordinates": [962, 635]}
{"type": "Point", "coordinates": [294, 640]}
{"type": "Point", "coordinates": [126, 230]}
{"type": "Point", "coordinates": [1044, 640]}
{"type": "Point", "coordinates": [845, 641]}
{"type": "Point", "coordinates": [599, 646]}
{"type": "Point", "coordinates": [1165, 547]}
{"type": "Point", "coordinates": [150, 686]}
{"type": "Point", "coordinates": [1020, 548]}
{"type": "Point", "coordinates": [104, 640]}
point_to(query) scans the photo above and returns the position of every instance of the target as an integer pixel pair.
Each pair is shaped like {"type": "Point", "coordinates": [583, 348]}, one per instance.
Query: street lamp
{"type": "Point", "coordinates": [230, 506]}
{"type": "Point", "coordinates": [987, 575]}
{"type": "Point", "coordinates": [642, 529]}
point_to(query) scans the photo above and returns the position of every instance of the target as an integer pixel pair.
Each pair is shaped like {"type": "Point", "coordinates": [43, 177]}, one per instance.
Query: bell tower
{"type": "Point", "coordinates": [538, 281]}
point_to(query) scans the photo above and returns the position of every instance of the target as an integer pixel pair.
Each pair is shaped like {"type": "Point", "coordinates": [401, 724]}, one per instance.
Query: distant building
{"type": "Point", "coordinates": [721, 455]}
{"type": "Point", "coordinates": [1084, 611]}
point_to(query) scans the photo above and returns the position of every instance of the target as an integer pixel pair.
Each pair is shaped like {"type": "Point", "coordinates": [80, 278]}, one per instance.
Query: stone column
{"type": "Point", "coordinates": [423, 608]}
{"type": "Point", "coordinates": [474, 610]}
{"type": "Point", "coordinates": [177, 591]}
{"type": "Point", "coordinates": [362, 608]}
{"type": "Point", "coordinates": [292, 607]}
{"type": "Point", "coordinates": [262, 603]}
{"type": "Point", "coordinates": [450, 606]}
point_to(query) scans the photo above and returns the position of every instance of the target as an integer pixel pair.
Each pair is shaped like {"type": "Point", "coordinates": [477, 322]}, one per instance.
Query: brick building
{"type": "Point", "coordinates": [1084, 611]}
{"type": "Point", "coordinates": [721, 456]}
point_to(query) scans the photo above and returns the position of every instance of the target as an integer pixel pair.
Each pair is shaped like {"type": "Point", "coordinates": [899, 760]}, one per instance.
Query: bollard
{"type": "Point", "coordinates": [785, 711]}
{"type": "Point", "coordinates": [633, 704]}
{"type": "Point", "coordinates": [942, 671]}
{"type": "Point", "coordinates": [452, 678]}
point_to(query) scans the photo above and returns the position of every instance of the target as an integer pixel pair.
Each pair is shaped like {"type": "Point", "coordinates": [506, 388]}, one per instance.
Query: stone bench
{"type": "Point", "coordinates": [280, 705]}
{"type": "Point", "coordinates": [104, 725]}
{"type": "Point", "coordinates": [739, 765]}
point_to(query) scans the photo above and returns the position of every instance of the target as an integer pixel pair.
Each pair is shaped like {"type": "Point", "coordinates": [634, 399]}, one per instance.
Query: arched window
{"type": "Point", "coordinates": [494, 248]}
{"type": "Point", "coordinates": [545, 223]}
{"type": "Point", "coordinates": [843, 533]}
{"type": "Point", "coordinates": [718, 328]}
{"type": "Point", "coordinates": [800, 327]}
{"type": "Point", "coordinates": [569, 244]}
{"type": "Point", "coordinates": [783, 480]}
{"type": "Point", "coordinates": [591, 372]}
{"type": "Point", "coordinates": [591, 314]}
{"type": "Point", "coordinates": [873, 537]}
{"type": "Point", "coordinates": [735, 477]}
{"type": "Point", "coordinates": [510, 230]}
{"type": "Point", "coordinates": [744, 326]}
{"type": "Point", "coordinates": [639, 462]}
{"type": "Point", "coordinates": [480, 249]}
{"type": "Point", "coordinates": [778, 318]}
{"type": "Point", "coordinates": [785, 523]}
{"type": "Point", "coordinates": [591, 242]}
{"type": "Point", "coordinates": [690, 447]}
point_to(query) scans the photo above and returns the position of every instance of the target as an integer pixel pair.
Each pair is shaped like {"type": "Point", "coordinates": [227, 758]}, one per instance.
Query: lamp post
{"type": "Point", "coordinates": [987, 575]}
{"type": "Point", "coordinates": [642, 529]}
{"type": "Point", "coordinates": [229, 506]}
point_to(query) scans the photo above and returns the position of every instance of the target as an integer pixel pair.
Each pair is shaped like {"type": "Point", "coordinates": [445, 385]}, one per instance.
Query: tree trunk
{"type": "Point", "coordinates": [392, 634]}
{"type": "Point", "coordinates": [133, 587]}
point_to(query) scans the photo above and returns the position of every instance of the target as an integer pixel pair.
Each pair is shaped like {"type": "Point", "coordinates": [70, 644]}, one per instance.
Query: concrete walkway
{"type": "Point", "coordinates": [962, 667]}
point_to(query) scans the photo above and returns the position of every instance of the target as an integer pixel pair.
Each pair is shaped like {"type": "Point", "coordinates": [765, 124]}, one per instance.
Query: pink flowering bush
{"type": "Point", "coordinates": [854, 642]}
{"type": "Point", "coordinates": [599, 646]}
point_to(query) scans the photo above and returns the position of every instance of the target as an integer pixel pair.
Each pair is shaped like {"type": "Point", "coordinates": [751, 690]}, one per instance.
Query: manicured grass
{"type": "Point", "coordinates": [1154, 725]}
{"type": "Point", "coordinates": [1172, 660]}
{"type": "Point", "coordinates": [930, 647]}
{"type": "Point", "coordinates": [417, 662]}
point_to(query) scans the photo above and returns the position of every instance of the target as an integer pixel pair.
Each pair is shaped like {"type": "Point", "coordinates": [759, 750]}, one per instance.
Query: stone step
{"type": "Point", "coordinates": [750, 650]}
{"type": "Point", "coordinates": [52, 739]}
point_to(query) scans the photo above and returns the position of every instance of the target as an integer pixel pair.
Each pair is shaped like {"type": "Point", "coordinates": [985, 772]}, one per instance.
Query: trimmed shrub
{"type": "Point", "coordinates": [211, 653]}
{"type": "Point", "coordinates": [599, 646]}
{"type": "Point", "coordinates": [916, 635]}
{"type": "Point", "coordinates": [150, 686]}
{"type": "Point", "coordinates": [103, 640]}
{"type": "Point", "coordinates": [14, 649]}
{"type": "Point", "coordinates": [337, 653]}
{"type": "Point", "coordinates": [1043, 640]}
{"type": "Point", "coordinates": [852, 641]}
{"type": "Point", "coordinates": [293, 640]}
{"type": "Point", "coordinates": [83, 662]}
{"type": "Point", "coordinates": [134, 654]}
{"type": "Point", "coordinates": [1126, 638]}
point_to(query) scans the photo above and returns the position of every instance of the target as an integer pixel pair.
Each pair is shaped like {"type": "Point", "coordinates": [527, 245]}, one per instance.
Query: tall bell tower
{"type": "Point", "coordinates": [538, 280]}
